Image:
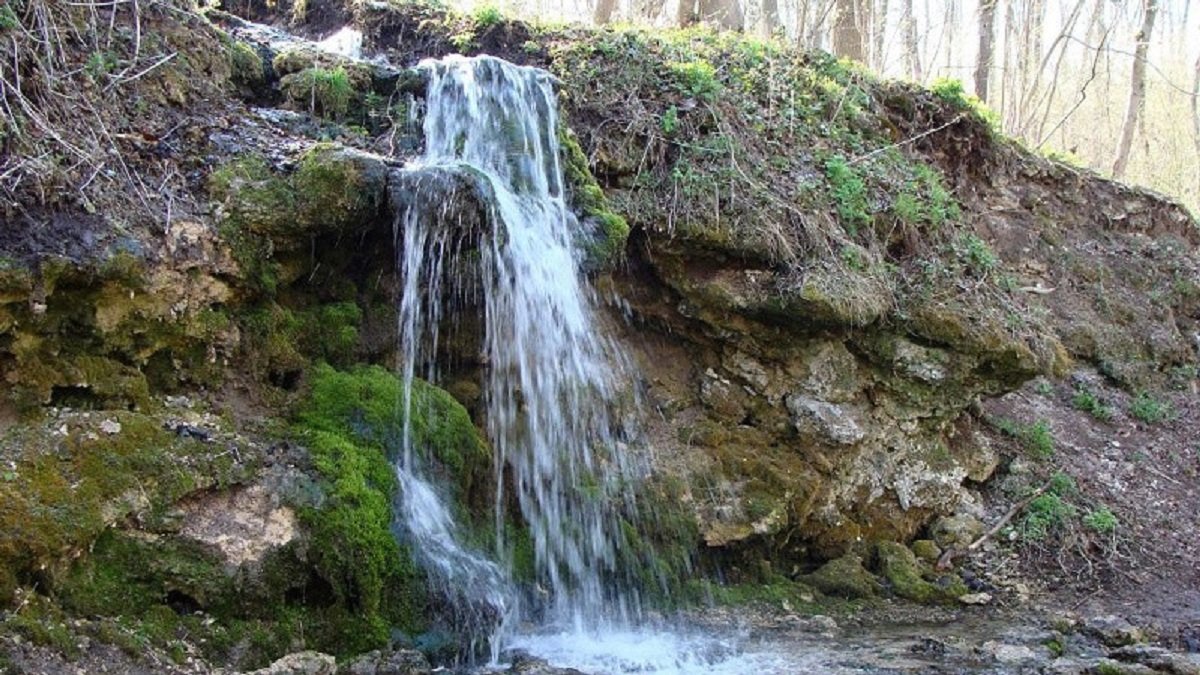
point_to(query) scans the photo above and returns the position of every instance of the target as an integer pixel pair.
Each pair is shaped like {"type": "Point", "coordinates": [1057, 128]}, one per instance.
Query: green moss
{"type": "Point", "coordinates": [275, 223]}
{"type": "Point", "coordinates": [352, 424]}
{"type": "Point", "coordinates": [67, 488]}
{"type": "Point", "coordinates": [607, 245]}
{"type": "Point", "coordinates": [247, 69]}
{"type": "Point", "coordinates": [41, 623]}
{"type": "Point", "coordinates": [327, 92]}
{"type": "Point", "coordinates": [844, 577]}
{"type": "Point", "coordinates": [904, 573]}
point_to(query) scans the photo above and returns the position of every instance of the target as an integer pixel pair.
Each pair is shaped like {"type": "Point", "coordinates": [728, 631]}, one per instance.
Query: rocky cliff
{"type": "Point", "coordinates": [820, 277]}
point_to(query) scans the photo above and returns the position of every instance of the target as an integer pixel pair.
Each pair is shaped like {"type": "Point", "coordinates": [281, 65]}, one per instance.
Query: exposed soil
{"type": "Point", "coordinates": [1145, 473]}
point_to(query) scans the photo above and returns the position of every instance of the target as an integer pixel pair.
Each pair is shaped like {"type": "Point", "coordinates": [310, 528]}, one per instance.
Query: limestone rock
{"type": "Point", "coordinates": [1113, 630]}
{"type": "Point", "coordinates": [301, 663]}
{"type": "Point", "coordinates": [823, 422]}
{"type": "Point", "coordinates": [379, 662]}
{"type": "Point", "coordinates": [844, 577]}
{"type": "Point", "coordinates": [958, 530]}
{"type": "Point", "coordinates": [920, 363]}
{"type": "Point", "coordinates": [1159, 658]}
{"type": "Point", "coordinates": [244, 524]}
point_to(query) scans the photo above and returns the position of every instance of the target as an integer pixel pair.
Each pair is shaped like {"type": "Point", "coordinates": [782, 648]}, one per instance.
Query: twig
{"type": "Point", "coordinates": [957, 118]}
{"type": "Point", "coordinates": [948, 557]}
{"type": "Point", "coordinates": [131, 78]}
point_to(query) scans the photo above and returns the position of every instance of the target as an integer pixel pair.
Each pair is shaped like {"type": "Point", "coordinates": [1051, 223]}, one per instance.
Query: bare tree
{"type": "Point", "coordinates": [604, 11]}
{"type": "Point", "coordinates": [768, 18]}
{"type": "Point", "coordinates": [1196, 109]}
{"type": "Point", "coordinates": [724, 14]}
{"type": "Point", "coordinates": [1137, 89]}
{"type": "Point", "coordinates": [879, 15]}
{"type": "Point", "coordinates": [848, 38]}
{"type": "Point", "coordinates": [912, 55]}
{"type": "Point", "coordinates": [987, 34]}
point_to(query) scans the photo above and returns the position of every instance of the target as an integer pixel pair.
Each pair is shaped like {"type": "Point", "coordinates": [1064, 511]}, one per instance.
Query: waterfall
{"type": "Point", "coordinates": [482, 217]}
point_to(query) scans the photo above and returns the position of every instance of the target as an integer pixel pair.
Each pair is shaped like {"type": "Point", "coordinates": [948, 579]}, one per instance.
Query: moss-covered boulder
{"type": "Point", "coordinates": [844, 577]}
{"type": "Point", "coordinates": [71, 477]}
{"type": "Point", "coordinates": [905, 575]}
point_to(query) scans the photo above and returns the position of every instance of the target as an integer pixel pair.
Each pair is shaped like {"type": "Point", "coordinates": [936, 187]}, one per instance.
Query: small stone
{"type": "Point", "coordinates": [110, 427]}
{"type": "Point", "coordinates": [1113, 630]}
{"type": "Point", "coordinates": [1009, 654]}
{"type": "Point", "coordinates": [823, 422]}
{"type": "Point", "coordinates": [975, 598]}
{"type": "Point", "coordinates": [301, 663]}
{"type": "Point", "coordinates": [927, 550]}
{"type": "Point", "coordinates": [959, 530]}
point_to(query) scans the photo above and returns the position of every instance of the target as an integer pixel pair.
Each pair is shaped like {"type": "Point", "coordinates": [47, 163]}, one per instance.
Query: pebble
{"type": "Point", "coordinates": [110, 427]}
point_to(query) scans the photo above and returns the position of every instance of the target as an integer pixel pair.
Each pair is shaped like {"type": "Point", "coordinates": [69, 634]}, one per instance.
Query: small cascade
{"type": "Point", "coordinates": [552, 374]}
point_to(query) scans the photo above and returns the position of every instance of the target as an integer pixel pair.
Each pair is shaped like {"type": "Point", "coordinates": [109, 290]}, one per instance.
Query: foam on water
{"type": "Point", "coordinates": [649, 651]}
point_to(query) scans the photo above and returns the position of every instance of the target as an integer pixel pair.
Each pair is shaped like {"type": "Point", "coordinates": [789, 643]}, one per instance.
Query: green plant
{"type": "Point", "coordinates": [1061, 484]}
{"type": "Point", "coordinates": [99, 64]}
{"type": "Point", "coordinates": [487, 16]}
{"type": "Point", "coordinates": [1101, 520]}
{"type": "Point", "coordinates": [977, 253]}
{"type": "Point", "coordinates": [849, 194]}
{"type": "Point", "coordinates": [696, 78]}
{"type": "Point", "coordinates": [1039, 440]}
{"type": "Point", "coordinates": [329, 90]}
{"type": "Point", "coordinates": [1044, 514]}
{"type": "Point", "coordinates": [8, 18]}
{"type": "Point", "coordinates": [1148, 409]}
{"type": "Point", "coordinates": [951, 91]}
{"type": "Point", "coordinates": [670, 120]}
{"type": "Point", "coordinates": [852, 256]}
{"type": "Point", "coordinates": [1087, 400]}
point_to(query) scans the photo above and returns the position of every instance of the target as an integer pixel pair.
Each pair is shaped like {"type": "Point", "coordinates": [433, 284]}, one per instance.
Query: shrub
{"type": "Point", "coordinates": [488, 16]}
{"type": "Point", "coordinates": [1150, 410]}
{"type": "Point", "coordinates": [1086, 400]}
{"type": "Point", "coordinates": [849, 194]}
{"type": "Point", "coordinates": [1101, 521]}
{"type": "Point", "coordinates": [696, 78]}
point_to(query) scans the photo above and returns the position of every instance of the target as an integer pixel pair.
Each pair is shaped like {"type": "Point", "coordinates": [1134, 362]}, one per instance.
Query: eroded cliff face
{"type": "Point", "coordinates": [818, 276]}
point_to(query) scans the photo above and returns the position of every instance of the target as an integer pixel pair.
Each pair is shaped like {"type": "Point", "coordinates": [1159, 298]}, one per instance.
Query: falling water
{"type": "Point", "coordinates": [551, 378]}
{"type": "Point", "coordinates": [483, 221]}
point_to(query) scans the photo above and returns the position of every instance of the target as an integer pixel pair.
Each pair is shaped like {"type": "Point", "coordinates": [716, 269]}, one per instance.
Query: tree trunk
{"type": "Point", "coordinates": [1196, 112]}
{"type": "Point", "coordinates": [878, 32]}
{"type": "Point", "coordinates": [848, 39]}
{"type": "Point", "coordinates": [912, 57]}
{"type": "Point", "coordinates": [724, 14]}
{"type": "Point", "coordinates": [686, 13]}
{"type": "Point", "coordinates": [987, 34]}
{"type": "Point", "coordinates": [1137, 89]}
{"type": "Point", "coordinates": [604, 11]}
{"type": "Point", "coordinates": [768, 18]}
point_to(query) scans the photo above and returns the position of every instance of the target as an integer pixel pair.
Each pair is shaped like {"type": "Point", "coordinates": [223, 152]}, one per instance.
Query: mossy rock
{"type": "Point", "coordinates": [905, 575]}
{"type": "Point", "coordinates": [74, 476]}
{"type": "Point", "coordinates": [844, 577]}
{"type": "Point", "coordinates": [607, 231]}
{"type": "Point", "coordinates": [365, 406]}
{"type": "Point", "coordinates": [334, 190]}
